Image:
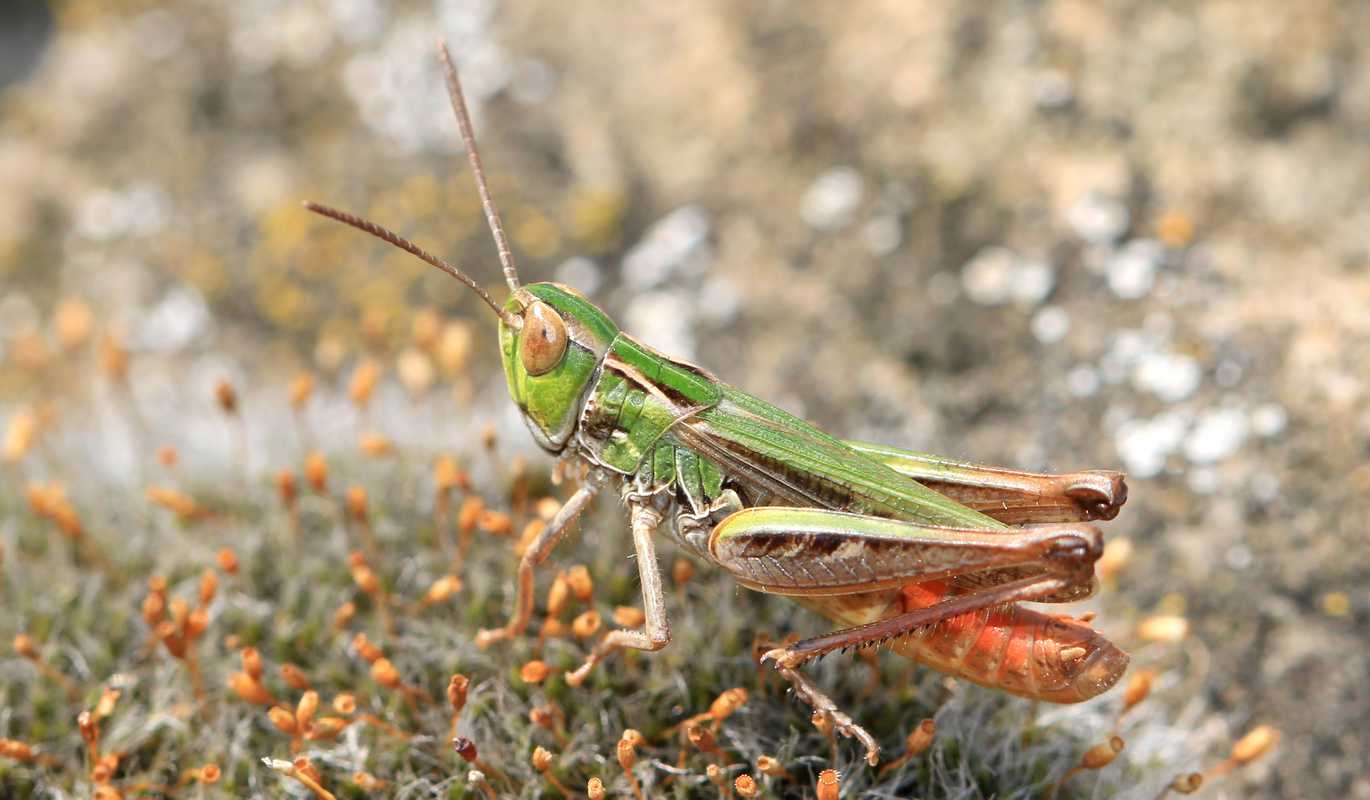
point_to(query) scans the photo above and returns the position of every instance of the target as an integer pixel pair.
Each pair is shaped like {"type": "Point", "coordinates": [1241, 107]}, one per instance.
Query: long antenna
{"type": "Point", "coordinates": [413, 249]}
{"type": "Point", "coordinates": [468, 137]}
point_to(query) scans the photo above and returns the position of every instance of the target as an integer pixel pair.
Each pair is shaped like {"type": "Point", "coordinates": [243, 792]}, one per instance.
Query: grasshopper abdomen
{"type": "Point", "coordinates": [1014, 648]}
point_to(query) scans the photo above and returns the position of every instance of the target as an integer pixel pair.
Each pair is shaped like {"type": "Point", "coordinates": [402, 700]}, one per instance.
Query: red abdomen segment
{"type": "Point", "coordinates": [1012, 648]}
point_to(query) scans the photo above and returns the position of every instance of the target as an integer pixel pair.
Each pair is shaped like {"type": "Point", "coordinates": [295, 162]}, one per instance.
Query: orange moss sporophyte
{"type": "Point", "coordinates": [287, 488]}
{"type": "Point", "coordinates": [447, 476]}
{"type": "Point", "coordinates": [416, 372]}
{"type": "Point", "coordinates": [168, 457]}
{"type": "Point", "coordinates": [457, 689]}
{"type": "Point", "coordinates": [1186, 783]}
{"type": "Point", "coordinates": [1163, 628]}
{"type": "Point", "coordinates": [1117, 554]}
{"type": "Point", "coordinates": [29, 350]}
{"type": "Point", "coordinates": [209, 586]}
{"type": "Point", "coordinates": [468, 515]}
{"type": "Point", "coordinates": [369, 652]}
{"type": "Point", "coordinates": [303, 772]}
{"type": "Point", "coordinates": [681, 573]}
{"type": "Point", "coordinates": [343, 615]}
{"type": "Point", "coordinates": [594, 789]}
{"type": "Point", "coordinates": [27, 648]}
{"type": "Point", "coordinates": [90, 733]}
{"type": "Point", "coordinates": [495, 523]}
{"type": "Point", "coordinates": [772, 768]}
{"type": "Point", "coordinates": [534, 672]}
{"type": "Point", "coordinates": [440, 591]}
{"type": "Point", "coordinates": [301, 390]}
{"type": "Point", "coordinates": [477, 779]}
{"type": "Point", "coordinates": [551, 719]}
{"type": "Point", "coordinates": [383, 672]}
{"type": "Point", "coordinates": [363, 383]}
{"type": "Point", "coordinates": [375, 445]}
{"type": "Point", "coordinates": [1256, 743]}
{"type": "Point", "coordinates": [114, 358]}
{"type": "Point", "coordinates": [546, 508]}
{"type": "Point", "coordinates": [489, 437]}
{"type": "Point", "coordinates": [558, 595]}
{"type": "Point", "coordinates": [825, 725]}
{"type": "Point", "coordinates": [1250, 747]}
{"type": "Point", "coordinates": [247, 684]}
{"type": "Point", "coordinates": [49, 502]}
{"type": "Point", "coordinates": [175, 501]}
{"type": "Point", "coordinates": [368, 782]}
{"type": "Point", "coordinates": [17, 750]}
{"type": "Point", "coordinates": [20, 436]}
{"type": "Point", "coordinates": [719, 778]}
{"type": "Point", "coordinates": [426, 329]}
{"type": "Point", "coordinates": [531, 531]}
{"type": "Point", "coordinates": [316, 471]}
{"type": "Point", "coordinates": [626, 753]}
{"type": "Point", "coordinates": [356, 503]}
{"type": "Point", "coordinates": [629, 617]}
{"type": "Point", "coordinates": [466, 750]}
{"type": "Point", "coordinates": [366, 578]}
{"type": "Point", "coordinates": [454, 348]}
{"type": "Point", "coordinates": [542, 760]}
{"type": "Point", "coordinates": [829, 786]}
{"type": "Point", "coordinates": [704, 741]}
{"type": "Point", "coordinates": [227, 561]}
{"type": "Point", "coordinates": [294, 677]}
{"type": "Point", "coordinates": [207, 774]}
{"type": "Point", "coordinates": [915, 744]}
{"type": "Point", "coordinates": [226, 396]}
{"type": "Point", "coordinates": [581, 584]}
{"type": "Point", "coordinates": [723, 706]}
{"type": "Point", "coordinates": [1138, 689]}
{"type": "Point", "coordinates": [1096, 757]}
{"type": "Point", "coordinates": [586, 625]}
{"type": "Point", "coordinates": [72, 322]}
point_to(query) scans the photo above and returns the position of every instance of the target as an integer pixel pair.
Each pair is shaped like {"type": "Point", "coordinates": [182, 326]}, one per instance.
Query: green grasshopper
{"type": "Point", "coordinates": [927, 555]}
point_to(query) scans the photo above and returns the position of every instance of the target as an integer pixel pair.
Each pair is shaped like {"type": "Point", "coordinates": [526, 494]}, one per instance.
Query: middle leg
{"type": "Point", "coordinates": [656, 632]}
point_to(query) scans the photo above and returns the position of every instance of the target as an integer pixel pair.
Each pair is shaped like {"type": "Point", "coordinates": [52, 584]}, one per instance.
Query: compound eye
{"type": "Point", "coordinates": [544, 339]}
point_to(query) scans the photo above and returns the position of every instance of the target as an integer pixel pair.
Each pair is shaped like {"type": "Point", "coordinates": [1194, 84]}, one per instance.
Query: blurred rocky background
{"type": "Point", "coordinates": [1050, 234]}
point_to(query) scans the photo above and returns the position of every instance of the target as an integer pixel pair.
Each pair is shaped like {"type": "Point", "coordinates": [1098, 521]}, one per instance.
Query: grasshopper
{"type": "Point", "coordinates": [927, 555]}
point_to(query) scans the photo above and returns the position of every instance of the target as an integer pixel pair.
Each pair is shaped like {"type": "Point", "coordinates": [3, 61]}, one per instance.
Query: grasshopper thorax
{"type": "Point", "coordinates": [552, 341]}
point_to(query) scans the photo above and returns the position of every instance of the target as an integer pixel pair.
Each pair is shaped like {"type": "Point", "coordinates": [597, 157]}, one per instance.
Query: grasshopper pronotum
{"type": "Point", "coordinates": [926, 555]}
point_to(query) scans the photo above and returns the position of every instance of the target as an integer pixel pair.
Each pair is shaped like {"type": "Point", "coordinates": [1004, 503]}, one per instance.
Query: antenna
{"type": "Point", "coordinates": [404, 244]}
{"type": "Point", "coordinates": [468, 137]}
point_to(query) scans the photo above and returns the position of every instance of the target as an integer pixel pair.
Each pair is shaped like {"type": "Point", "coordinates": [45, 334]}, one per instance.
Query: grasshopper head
{"type": "Point", "coordinates": [552, 340]}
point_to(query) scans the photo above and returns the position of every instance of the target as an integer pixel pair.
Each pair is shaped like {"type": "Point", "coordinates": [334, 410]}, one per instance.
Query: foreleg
{"type": "Point", "coordinates": [533, 557]}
